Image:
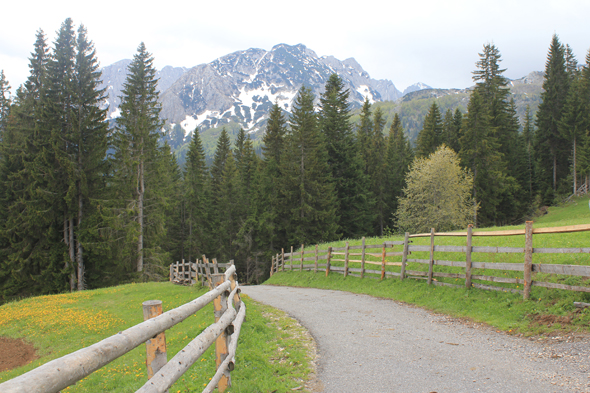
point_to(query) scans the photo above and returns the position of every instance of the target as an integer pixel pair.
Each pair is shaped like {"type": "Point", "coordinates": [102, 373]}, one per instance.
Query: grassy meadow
{"type": "Point", "coordinates": [268, 358]}
{"type": "Point", "coordinates": [550, 311]}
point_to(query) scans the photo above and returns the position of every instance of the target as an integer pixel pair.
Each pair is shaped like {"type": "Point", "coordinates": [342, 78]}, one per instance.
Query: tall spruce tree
{"type": "Point", "coordinates": [528, 134]}
{"type": "Point", "coordinates": [550, 146]}
{"type": "Point", "coordinates": [271, 225]}
{"type": "Point", "coordinates": [479, 153]}
{"type": "Point", "coordinates": [136, 155]}
{"type": "Point", "coordinates": [399, 158]}
{"type": "Point", "coordinates": [572, 124]}
{"type": "Point", "coordinates": [4, 102]}
{"type": "Point", "coordinates": [197, 199]}
{"type": "Point", "coordinates": [309, 197]}
{"type": "Point", "coordinates": [352, 188]}
{"type": "Point", "coordinates": [429, 138]}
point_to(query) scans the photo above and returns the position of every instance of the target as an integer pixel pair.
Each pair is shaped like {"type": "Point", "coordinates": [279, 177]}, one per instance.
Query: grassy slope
{"type": "Point", "coordinates": [550, 310]}
{"type": "Point", "coordinates": [60, 324]}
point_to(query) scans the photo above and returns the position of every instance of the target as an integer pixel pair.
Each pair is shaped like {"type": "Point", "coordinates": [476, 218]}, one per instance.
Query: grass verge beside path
{"type": "Point", "coordinates": [268, 358]}
{"type": "Point", "coordinates": [550, 313]}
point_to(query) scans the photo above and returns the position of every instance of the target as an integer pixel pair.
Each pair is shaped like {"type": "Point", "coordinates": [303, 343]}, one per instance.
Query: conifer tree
{"type": "Point", "coordinates": [271, 225]}
{"type": "Point", "coordinates": [4, 102]}
{"type": "Point", "coordinates": [399, 158]}
{"type": "Point", "coordinates": [88, 147]}
{"type": "Point", "coordinates": [352, 188]}
{"type": "Point", "coordinates": [377, 167]}
{"type": "Point", "coordinates": [136, 157]}
{"type": "Point", "coordinates": [197, 199]}
{"type": "Point", "coordinates": [307, 189]}
{"type": "Point", "coordinates": [572, 124]}
{"type": "Point", "coordinates": [364, 136]}
{"type": "Point", "coordinates": [528, 134]}
{"type": "Point", "coordinates": [479, 153]}
{"type": "Point", "coordinates": [550, 147]}
{"type": "Point", "coordinates": [429, 138]}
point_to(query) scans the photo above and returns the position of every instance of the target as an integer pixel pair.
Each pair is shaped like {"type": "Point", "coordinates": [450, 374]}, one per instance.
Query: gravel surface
{"type": "Point", "coordinates": [368, 344]}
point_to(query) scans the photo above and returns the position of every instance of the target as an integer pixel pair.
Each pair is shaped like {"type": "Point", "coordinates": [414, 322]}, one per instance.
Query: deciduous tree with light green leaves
{"type": "Point", "coordinates": [437, 194]}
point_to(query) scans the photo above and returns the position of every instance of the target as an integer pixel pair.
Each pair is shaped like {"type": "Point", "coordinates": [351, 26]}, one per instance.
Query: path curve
{"type": "Point", "coordinates": [368, 344]}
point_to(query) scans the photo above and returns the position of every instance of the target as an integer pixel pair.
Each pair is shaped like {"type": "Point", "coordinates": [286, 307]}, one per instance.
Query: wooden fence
{"type": "Point", "coordinates": [229, 316]}
{"type": "Point", "coordinates": [403, 249]}
{"type": "Point", "coordinates": [188, 273]}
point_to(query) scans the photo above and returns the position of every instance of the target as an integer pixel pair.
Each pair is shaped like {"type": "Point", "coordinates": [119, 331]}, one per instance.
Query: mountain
{"type": "Point", "coordinates": [241, 87]}
{"type": "Point", "coordinates": [415, 87]}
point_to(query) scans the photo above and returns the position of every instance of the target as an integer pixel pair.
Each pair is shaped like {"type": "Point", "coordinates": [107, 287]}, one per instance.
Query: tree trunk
{"type": "Point", "coordinates": [69, 263]}
{"type": "Point", "coordinates": [140, 196]}
{"type": "Point", "coordinates": [79, 258]}
{"type": "Point", "coordinates": [575, 174]}
{"type": "Point", "coordinates": [554, 172]}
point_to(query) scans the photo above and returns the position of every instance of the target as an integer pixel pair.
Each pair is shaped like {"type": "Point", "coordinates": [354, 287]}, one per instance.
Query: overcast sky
{"type": "Point", "coordinates": [431, 41]}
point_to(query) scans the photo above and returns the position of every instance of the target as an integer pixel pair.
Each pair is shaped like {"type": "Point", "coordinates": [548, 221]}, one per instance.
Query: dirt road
{"type": "Point", "coordinates": [367, 344]}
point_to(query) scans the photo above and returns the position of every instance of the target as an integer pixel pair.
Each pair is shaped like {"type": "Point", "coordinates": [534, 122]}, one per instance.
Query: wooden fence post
{"type": "Point", "coordinates": [156, 346]}
{"type": "Point", "coordinates": [206, 267]}
{"type": "Point", "coordinates": [215, 266]}
{"type": "Point", "coordinates": [301, 265]}
{"type": "Point", "coordinates": [171, 271]}
{"type": "Point", "coordinates": [468, 257]}
{"type": "Point", "coordinates": [291, 260]}
{"type": "Point", "coordinates": [528, 259]}
{"type": "Point", "coordinates": [329, 257]}
{"type": "Point", "coordinates": [405, 256]}
{"type": "Point", "coordinates": [346, 261]}
{"type": "Point", "coordinates": [315, 269]}
{"type": "Point", "coordinates": [383, 254]}
{"type": "Point", "coordinates": [431, 262]}
{"type": "Point", "coordinates": [221, 343]}
{"type": "Point", "coordinates": [272, 264]}
{"type": "Point", "coordinates": [282, 259]}
{"type": "Point", "coordinates": [363, 259]}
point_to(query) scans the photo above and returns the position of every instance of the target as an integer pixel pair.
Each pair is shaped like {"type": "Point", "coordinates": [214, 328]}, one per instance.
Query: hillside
{"type": "Point", "coordinates": [549, 312]}
{"type": "Point", "coordinates": [60, 324]}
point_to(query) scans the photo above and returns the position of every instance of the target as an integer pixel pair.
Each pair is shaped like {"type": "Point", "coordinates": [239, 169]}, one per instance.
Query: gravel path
{"type": "Point", "coordinates": [367, 344]}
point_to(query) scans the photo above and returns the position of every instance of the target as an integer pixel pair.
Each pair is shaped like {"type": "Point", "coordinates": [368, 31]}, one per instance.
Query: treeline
{"type": "Point", "coordinates": [83, 205]}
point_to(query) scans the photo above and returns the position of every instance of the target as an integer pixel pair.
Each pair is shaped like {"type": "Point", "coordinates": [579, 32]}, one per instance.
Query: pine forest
{"type": "Point", "coordinates": [87, 203]}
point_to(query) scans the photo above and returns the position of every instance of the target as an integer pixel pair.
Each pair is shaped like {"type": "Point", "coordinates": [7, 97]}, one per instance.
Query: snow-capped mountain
{"type": "Point", "coordinates": [241, 87]}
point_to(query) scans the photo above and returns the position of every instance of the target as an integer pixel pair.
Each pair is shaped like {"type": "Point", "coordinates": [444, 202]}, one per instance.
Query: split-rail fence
{"type": "Point", "coordinates": [365, 255]}
{"type": "Point", "coordinates": [229, 316]}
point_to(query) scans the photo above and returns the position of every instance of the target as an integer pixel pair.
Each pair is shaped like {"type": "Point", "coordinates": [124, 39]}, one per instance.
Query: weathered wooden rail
{"type": "Point", "coordinates": [188, 273]}
{"type": "Point", "coordinates": [229, 316]}
{"type": "Point", "coordinates": [403, 249]}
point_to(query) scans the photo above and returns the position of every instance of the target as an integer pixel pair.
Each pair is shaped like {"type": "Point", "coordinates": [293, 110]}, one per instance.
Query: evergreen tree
{"type": "Point", "coordinates": [196, 197]}
{"type": "Point", "coordinates": [377, 167]}
{"type": "Point", "coordinates": [352, 188]}
{"type": "Point", "coordinates": [550, 147]}
{"type": "Point", "coordinates": [450, 130]}
{"type": "Point", "coordinates": [479, 153]}
{"type": "Point", "coordinates": [271, 227]}
{"type": "Point", "coordinates": [429, 138]}
{"type": "Point", "coordinates": [528, 135]}
{"type": "Point", "coordinates": [4, 102]}
{"type": "Point", "coordinates": [307, 189]}
{"type": "Point", "coordinates": [364, 136]}
{"type": "Point", "coordinates": [399, 159]}
{"type": "Point", "coordinates": [572, 124]}
{"type": "Point", "coordinates": [136, 152]}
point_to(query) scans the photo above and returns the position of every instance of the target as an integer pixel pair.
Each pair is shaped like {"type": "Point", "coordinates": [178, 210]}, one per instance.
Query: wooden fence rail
{"type": "Point", "coordinates": [229, 316]}
{"type": "Point", "coordinates": [188, 273]}
{"type": "Point", "coordinates": [404, 249]}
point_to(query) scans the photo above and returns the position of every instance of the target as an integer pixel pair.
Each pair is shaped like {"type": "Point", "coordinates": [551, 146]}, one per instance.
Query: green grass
{"type": "Point", "coordinates": [268, 358]}
{"type": "Point", "coordinates": [550, 311]}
